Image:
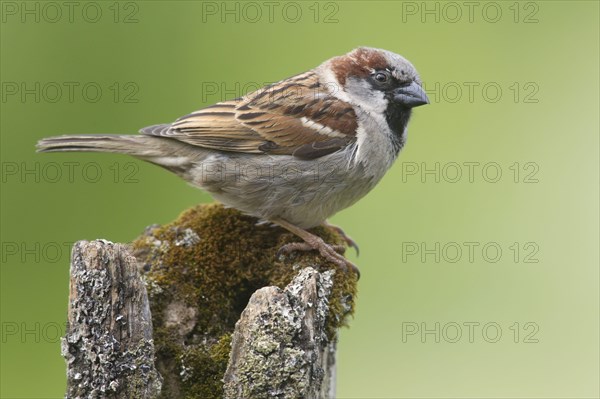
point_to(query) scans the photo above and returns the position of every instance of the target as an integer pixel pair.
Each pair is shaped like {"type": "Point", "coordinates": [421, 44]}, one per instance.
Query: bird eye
{"type": "Point", "coordinates": [381, 77]}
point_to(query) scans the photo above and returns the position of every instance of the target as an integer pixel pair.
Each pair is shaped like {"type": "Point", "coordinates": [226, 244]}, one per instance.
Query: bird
{"type": "Point", "coordinates": [292, 153]}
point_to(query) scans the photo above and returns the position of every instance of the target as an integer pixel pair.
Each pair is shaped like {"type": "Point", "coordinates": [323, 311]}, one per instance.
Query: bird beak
{"type": "Point", "coordinates": [411, 96]}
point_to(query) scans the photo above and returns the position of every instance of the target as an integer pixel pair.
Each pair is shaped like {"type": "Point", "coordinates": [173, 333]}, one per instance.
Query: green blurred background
{"type": "Point", "coordinates": [531, 114]}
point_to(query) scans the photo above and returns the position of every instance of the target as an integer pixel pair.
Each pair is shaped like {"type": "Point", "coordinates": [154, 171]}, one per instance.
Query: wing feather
{"type": "Point", "coordinates": [297, 116]}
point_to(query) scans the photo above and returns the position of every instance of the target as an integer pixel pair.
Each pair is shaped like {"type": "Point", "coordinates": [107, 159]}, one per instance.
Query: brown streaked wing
{"type": "Point", "coordinates": [296, 117]}
{"type": "Point", "coordinates": [213, 127]}
{"type": "Point", "coordinates": [303, 96]}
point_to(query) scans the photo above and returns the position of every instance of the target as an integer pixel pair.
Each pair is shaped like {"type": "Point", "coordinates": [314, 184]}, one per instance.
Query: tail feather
{"type": "Point", "coordinates": [136, 145]}
{"type": "Point", "coordinates": [168, 153]}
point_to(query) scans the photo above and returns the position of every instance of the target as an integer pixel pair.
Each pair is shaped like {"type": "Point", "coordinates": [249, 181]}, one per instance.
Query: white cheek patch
{"type": "Point", "coordinates": [321, 129]}
{"type": "Point", "coordinates": [365, 96]}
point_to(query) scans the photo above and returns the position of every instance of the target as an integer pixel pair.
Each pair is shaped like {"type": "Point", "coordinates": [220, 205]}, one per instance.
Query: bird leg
{"type": "Point", "coordinates": [349, 241]}
{"type": "Point", "coordinates": [313, 242]}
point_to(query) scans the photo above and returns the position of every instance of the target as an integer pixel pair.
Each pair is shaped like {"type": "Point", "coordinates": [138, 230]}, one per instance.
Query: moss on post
{"type": "Point", "coordinates": [201, 271]}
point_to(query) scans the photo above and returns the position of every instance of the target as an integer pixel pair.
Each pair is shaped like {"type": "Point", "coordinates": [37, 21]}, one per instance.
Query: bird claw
{"type": "Point", "coordinates": [347, 239]}
{"type": "Point", "coordinates": [353, 244]}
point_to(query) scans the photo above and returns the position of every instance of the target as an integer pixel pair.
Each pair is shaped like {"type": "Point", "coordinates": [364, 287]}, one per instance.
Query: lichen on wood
{"type": "Point", "coordinates": [108, 345]}
{"type": "Point", "coordinates": [280, 347]}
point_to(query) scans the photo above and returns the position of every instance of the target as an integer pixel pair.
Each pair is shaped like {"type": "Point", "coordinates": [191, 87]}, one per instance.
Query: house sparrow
{"type": "Point", "coordinates": [293, 153]}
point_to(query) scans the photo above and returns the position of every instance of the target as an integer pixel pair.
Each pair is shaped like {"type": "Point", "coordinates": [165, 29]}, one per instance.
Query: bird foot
{"type": "Point", "coordinates": [332, 253]}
